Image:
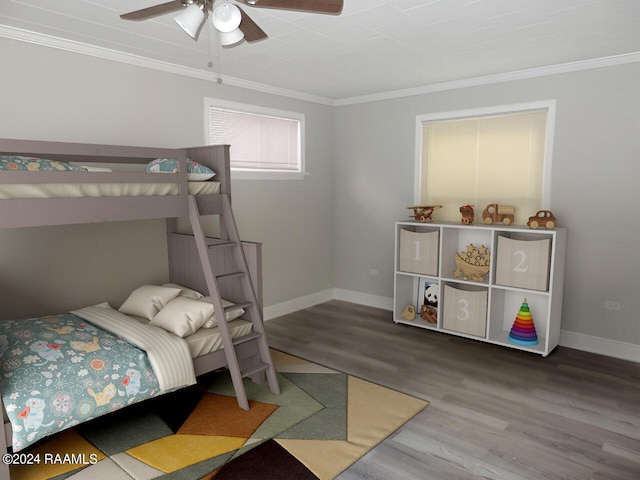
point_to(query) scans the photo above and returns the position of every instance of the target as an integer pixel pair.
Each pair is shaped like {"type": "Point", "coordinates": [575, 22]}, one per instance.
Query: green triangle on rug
{"type": "Point", "coordinates": [331, 391]}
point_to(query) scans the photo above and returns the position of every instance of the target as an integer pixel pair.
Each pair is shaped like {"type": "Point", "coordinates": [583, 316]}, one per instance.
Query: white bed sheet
{"type": "Point", "coordinates": [167, 353]}
{"type": "Point", "coordinates": [77, 190]}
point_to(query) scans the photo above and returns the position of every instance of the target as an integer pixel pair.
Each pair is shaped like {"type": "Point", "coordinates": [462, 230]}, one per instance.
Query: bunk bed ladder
{"type": "Point", "coordinates": [249, 303]}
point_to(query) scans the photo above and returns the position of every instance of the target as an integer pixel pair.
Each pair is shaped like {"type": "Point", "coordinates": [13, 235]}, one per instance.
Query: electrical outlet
{"type": "Point", "coordinates": [373, 272]}
{"type": "Point", "coordinates": [611, 305]}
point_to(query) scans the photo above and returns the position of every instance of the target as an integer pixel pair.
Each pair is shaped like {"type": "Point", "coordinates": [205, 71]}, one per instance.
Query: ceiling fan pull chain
{"type": "Point", "coordinates": [219, 70]}
{"type": "Point", "coordinates": [209, 40]}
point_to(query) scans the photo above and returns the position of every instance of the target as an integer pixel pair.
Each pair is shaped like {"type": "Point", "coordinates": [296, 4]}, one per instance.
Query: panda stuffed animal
{"type": "Point", "coordinates": [429, 309]}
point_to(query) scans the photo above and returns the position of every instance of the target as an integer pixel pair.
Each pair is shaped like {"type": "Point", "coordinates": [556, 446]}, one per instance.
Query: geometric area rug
{"type": "Point", "coordinates": [321, 423]}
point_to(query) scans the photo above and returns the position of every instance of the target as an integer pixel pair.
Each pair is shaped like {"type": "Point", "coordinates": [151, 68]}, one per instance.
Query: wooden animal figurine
{"type": "Point", "coordinates": [423, 213]}
{"type": "Point", "coordinates": [498, 213]}
{"type": "Point", "coordinates": [429, 313]}
{"type": "Point", "coordinates": [543, 218]}
{"type": "Point", "coordinates": [467, 214]}
{"type": "Point", "coordinates": [409, 313]}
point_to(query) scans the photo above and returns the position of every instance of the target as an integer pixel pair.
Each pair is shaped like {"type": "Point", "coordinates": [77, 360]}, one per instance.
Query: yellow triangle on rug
{"type": "Point", "coordinates": [369, 422]}
{"type": "Point", "coordinates": [177, 451]}
{"type": "Point", "coordinates": [54, 458]}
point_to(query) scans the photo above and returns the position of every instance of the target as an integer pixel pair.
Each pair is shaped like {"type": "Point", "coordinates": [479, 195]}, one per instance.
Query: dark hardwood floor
{"type": "Point", "coordinates": [495, 413]}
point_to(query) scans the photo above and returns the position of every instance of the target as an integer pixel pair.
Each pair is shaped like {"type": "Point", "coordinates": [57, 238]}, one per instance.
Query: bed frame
{"type": "Point", "coordinates": [185, 261]}
{"type": "Point", "coordinates": [30, 212]}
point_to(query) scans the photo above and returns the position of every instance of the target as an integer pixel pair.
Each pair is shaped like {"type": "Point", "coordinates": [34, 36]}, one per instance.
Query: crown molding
{"type": "Point", "coordinates": [497, 78]}
{"type": "Point", "coordinates": [140, 61]}
{"type": "Point", "coordinates": [137, 60]}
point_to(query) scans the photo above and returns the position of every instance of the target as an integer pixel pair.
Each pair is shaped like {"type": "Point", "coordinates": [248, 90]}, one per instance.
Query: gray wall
{"type": "Point", "coordinates": [594, 192]}
{"type": "Point", "coordinates": [331, 228]}
{"type": "Point", "coordinates": [56, 95]}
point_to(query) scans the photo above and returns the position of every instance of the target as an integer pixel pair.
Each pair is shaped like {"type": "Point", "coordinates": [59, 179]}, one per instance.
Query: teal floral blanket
{"type": "Point", "coordinates": [59, 371]}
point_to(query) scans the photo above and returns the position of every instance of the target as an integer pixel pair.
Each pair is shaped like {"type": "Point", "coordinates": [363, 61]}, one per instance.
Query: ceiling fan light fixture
{"type": "Point", "coordinates": [230, 39]}
{"type": "Point", "coordinates": [226, 17]}
{"type": "Point", "coordinates": [191, 19]}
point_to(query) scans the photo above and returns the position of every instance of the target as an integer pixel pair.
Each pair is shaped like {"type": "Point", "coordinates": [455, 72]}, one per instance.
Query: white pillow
{"type": "Point", "coordinates": [146, 301]}
{"type": "Point", "coordinates": [230, 315]}
{"type": "Point", "coordinates": [186, 292]}
{"type": "Point", "coordinates": [183, 316]}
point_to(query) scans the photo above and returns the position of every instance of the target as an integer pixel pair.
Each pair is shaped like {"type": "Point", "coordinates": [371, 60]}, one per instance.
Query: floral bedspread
{"type": "Point", "coordinates": [59, 371]}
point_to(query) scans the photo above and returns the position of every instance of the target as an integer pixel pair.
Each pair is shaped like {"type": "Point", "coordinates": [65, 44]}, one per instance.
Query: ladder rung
{"type": "Point", "coordinates": [261, 367]}
{"type": "Point", "coordinates": [246, 338]}
{"type": "Point", "coordinates": [204, 245]}
{"type": "Point", "coordinates": [221, 243]}
{"type": "Point", "coordinates": [231, 275]}
{"type": "Point", "coordinates": [237, 306]}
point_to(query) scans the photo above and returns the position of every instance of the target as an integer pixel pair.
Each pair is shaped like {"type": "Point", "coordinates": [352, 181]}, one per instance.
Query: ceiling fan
{"type": "Point", "coordinates": [231, 21]}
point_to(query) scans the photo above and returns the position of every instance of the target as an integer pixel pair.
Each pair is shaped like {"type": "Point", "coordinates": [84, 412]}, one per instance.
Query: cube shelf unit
{"type": "Point", "coordinates": [523, 264]}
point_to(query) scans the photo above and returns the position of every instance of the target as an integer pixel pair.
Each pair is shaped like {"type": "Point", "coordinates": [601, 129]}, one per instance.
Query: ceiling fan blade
{"type": "Point", "coordinates": [314, 6]}
{"type": "Point", "coordinates": [252, 32]}
{"type": "Point", "coordinates": [154, 11]}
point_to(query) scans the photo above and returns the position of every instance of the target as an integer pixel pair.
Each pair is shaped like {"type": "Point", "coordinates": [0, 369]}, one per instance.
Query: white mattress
{"type": "Point", "coordinates": [207, 340]}
{"type": "Point", "coordinates": [76, 190]}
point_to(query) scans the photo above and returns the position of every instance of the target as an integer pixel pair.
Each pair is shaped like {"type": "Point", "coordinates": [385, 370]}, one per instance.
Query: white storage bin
{"type": "Point", "coordinates": [523, 263]}
{"type": "Point", "coordinates": [465, 311]}
{"type": "Point", "coordinates": [419, 251]}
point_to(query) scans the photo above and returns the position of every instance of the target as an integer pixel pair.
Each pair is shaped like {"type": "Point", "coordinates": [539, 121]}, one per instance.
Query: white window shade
{"type": "Point", "coordinates": [482, 160]}
{"type": "Point", "coordinates": [259, 142]}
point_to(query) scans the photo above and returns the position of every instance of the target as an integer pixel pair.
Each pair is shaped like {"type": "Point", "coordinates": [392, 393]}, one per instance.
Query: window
{"type": "Point", "coordinates": [265, 143]}
{"type": "Point", "coordinates": [500, 155]}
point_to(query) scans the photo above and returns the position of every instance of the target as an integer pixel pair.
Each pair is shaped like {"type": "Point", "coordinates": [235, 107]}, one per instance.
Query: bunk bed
{"type": "Point", "coordinates": [54, 183]}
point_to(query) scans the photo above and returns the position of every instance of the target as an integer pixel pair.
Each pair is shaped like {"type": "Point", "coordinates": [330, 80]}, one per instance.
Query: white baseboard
{"type": "Point", "coordinates": [360, 298]}
{"type": "Point", "coordinates": [307, 301]}
{"type": "Point", "coordinates": [602, 346]}
{"type": "Point", "coordinates": [296, 304]}
{"type": "Point", "coordinates": [579, 341]}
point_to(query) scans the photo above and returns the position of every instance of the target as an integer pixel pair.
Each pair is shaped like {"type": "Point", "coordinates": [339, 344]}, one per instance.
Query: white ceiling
{"type": "Point", "coordinates": [374, 46]}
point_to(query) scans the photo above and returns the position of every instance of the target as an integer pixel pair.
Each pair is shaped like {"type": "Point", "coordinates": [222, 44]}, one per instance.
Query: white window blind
{"type": "Point", "coordinates": [259, 142]}
{"type": "Point", "coordinates": [498, 158]}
